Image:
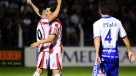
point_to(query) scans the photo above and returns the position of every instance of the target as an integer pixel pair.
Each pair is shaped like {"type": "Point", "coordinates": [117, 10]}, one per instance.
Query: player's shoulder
{"type": "Point", "coordinates": [116, 20]}
{"type": "Point", "coordinates": [97, 22]}
{"type": "Point", "coordinates": [56, 22]}
{"type": "Point", "coordinates": [43, 21]}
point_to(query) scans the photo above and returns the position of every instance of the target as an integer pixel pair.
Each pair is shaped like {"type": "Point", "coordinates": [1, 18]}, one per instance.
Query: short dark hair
{"type": "Point", "coordinates": [104, 6]}
{"type": "Point", "coordinates": [52, 4]}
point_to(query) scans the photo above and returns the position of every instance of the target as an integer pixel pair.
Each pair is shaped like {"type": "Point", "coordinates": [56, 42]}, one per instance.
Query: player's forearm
{"type": "Point", "coordinates": [97, 45]}
{"type": "Point", "coordinates": [44, 41]}
{"type": "Point", "coordinates": [35, 9]}
{"type": "Point", "coordinates": [56, 12]}
{"type": "Point", "coordinates": [47, 40]}
{"type": "Point", "coordinates": [127, 43]}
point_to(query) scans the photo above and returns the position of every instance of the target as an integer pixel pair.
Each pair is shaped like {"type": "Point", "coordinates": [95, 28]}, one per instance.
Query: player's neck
{"type": "Point", "coordinates": [43, 16]}
{"type": "Point", "coordinates": [105, 15]}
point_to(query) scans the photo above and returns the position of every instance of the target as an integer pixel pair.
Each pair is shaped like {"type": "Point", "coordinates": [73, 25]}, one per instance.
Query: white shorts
{"type": "Point", "coordinates": [55, 60]}
{"type": "Point", "coordinates": [43, 60]}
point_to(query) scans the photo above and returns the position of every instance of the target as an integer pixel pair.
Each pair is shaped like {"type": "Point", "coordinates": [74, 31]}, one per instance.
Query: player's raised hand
{"type": "Point", "coordinates": [29, 2]}
{"type": "Point", "coordinates": [34, 45]}
{"type": "Point", "coordinates": [131, 56]}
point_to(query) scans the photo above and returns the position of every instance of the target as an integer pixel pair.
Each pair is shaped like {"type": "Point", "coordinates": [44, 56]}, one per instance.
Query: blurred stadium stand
{"type": "Point", "coordinates": [16, 13]}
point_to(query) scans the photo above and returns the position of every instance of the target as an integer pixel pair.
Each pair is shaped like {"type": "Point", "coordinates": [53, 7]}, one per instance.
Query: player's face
{"type": "Point", "coordinates": [47, 12]}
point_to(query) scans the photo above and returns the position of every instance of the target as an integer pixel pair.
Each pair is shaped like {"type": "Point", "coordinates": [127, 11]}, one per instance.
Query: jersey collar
{"type": "Point", "coordinates": [106, 16]}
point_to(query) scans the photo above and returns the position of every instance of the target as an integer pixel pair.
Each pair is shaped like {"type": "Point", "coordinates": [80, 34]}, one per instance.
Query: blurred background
{"type": "Point", "coordinates": [77, 17]}
{"type": "Point", "coordinates": [18, 24]}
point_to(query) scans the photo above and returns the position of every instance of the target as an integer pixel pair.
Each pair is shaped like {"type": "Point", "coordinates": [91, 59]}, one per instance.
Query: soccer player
{"type": "Point", "coordinates": [106, 31]}
{"type": "Point", "coordinates": [55, 34]}
{"type": "Point", "coordinates": [42, 33]}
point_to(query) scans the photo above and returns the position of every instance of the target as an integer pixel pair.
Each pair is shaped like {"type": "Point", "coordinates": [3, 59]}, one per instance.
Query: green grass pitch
{"type": "Point", "coordinates": [66, 71]}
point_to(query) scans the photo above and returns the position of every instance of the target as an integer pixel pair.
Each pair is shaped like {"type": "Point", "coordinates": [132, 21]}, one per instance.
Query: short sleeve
{"type": "Point", "coordinates": [54, 28]}
{"type": "Point", "coordinates": [122, 32]}
{"type": "Point", "coordinates": [96, 30]}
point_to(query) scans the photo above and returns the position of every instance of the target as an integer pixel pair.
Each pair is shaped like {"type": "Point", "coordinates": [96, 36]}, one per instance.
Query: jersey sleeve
{"type": "Point", "coordinates": [122, 32]}
{"type": "Point", "coordinates": [96, 30]}
{"type": "Point", "coordinates": [54, 28]}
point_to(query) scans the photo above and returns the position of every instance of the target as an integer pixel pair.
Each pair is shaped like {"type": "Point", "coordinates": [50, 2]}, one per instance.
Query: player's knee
{"type": "Point", "coordinates": [56, 72]}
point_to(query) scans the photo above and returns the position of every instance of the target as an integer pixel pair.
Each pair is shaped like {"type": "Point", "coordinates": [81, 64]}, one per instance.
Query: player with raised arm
{"type": "Point", "coordinates": [42, 33]}
{"type": "Point", "coordinates": [53, 15]}
{"type": "Point", "coordinates": [55, 35]}
{"type": "Point", "coordinates": [106, 31]}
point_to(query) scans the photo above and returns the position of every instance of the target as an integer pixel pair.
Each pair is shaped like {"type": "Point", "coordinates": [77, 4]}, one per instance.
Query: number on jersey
{"type": "Point", "coordinates": [39, 34]}
{"type": "Point", "coordinates": [108, 36]}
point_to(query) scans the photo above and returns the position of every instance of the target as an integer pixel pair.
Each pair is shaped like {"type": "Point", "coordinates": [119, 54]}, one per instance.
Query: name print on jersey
{"type": "Point", "coordinates": [109, 24]}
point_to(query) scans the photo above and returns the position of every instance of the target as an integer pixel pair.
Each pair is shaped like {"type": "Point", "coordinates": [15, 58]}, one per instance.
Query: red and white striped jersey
{"type": "Point", "coordinates": [56, 29]}
{"type": "Point", "coordinates": [43, 33]}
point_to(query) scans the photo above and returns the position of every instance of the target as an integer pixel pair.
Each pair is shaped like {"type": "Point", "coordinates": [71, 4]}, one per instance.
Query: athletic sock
{"type": "Point", "coordinates": [36, 74]}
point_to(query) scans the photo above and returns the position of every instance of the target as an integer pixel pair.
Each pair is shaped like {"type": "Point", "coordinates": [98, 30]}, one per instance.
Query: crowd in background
{"type": "Point", "coordinates": [15, 14]}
